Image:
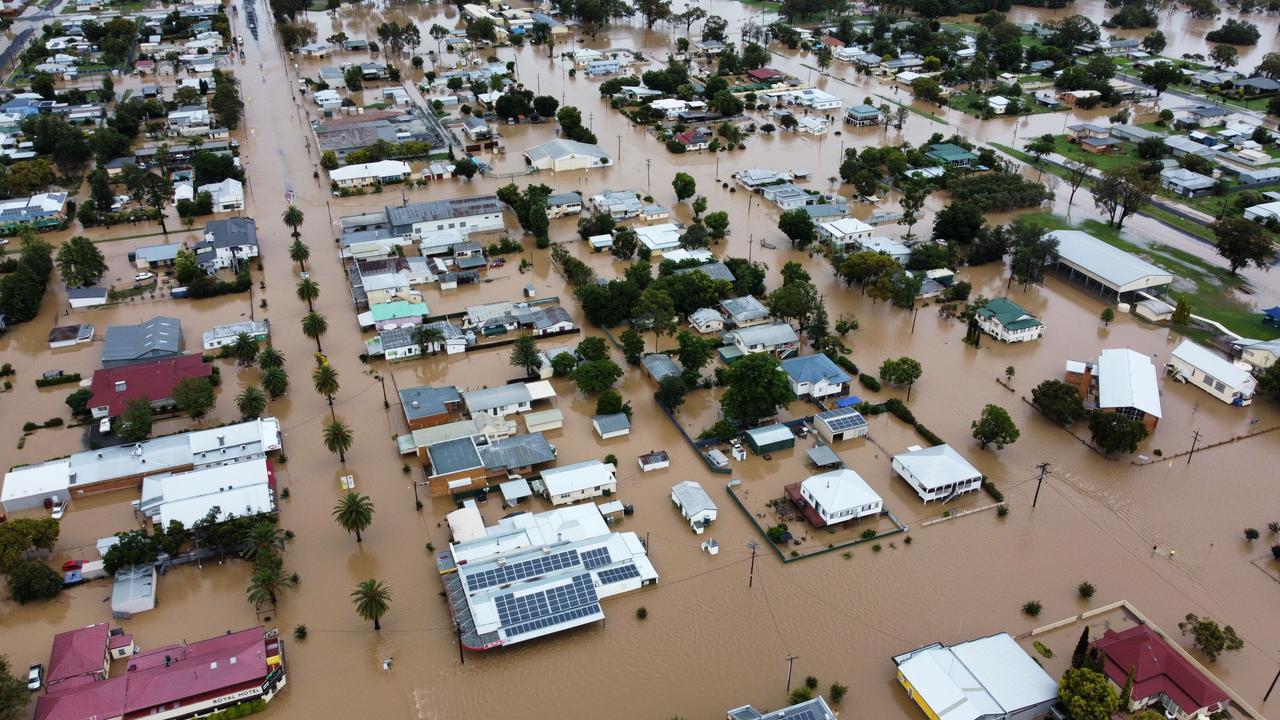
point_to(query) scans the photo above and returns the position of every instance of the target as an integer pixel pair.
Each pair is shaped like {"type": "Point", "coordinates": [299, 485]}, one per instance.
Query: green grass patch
{"type": "Point", "coordinates": [1123, 158]}
{"type": "Point", "coordinates": [125, 294]}
{"type": "Point", "coordinates": [921, 113]}
{"type": "Point", "coordinates": [973, 103]}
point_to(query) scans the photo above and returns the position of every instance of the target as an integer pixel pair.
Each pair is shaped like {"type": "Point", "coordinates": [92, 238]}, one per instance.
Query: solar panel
{"type": "Point", "coordinates": [844, 422]}
{"type": "Point", "coordinates": [556, 619]}
{"type": "Point", "coordinates": [502, 574]}
{"type": "Point", "coordinates": [595, 557]}
{"type": "Point", "coordinates": [618, 574]}
{"type": "Point", "coordinates": [513, 609]}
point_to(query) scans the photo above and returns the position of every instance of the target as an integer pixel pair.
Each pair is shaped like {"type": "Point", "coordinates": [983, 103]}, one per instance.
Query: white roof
{"type": "Point", "coordinates": [563, 524]}
{"type": "Point", "coordinates": [936, 466]}
{"type": "Point", "coordinates": [659, 237]}
{"type": "Point", "coordinates": [466, 523]}
{"type": "Point", "coordinates": [238, 489]}
{"type": "Point", "coordinates": [578, 476]}
{"type": "Point", "coordinates": [382, 168]}
{"type": "Point", "coordinates": [34, 480]}
{"type": "Point", "coordinates": [1213, 364]}
{"type": "Point", "coordinates": [540, 390]}
{"type": "Point", "coordinates": [840, 490]}
{"type": "Point", "coordinates": [680, 255]}
{"type": "Point", "coordinates": [1127, 379]}
{"type": "Point", "coordinates": [846, 226]}
{"type": "Point", "coordinates": [692, 498]}
{"type": "Point", "coordinates": [1117, 268]}
{"type": "Point", "coordinates": [989, 676]}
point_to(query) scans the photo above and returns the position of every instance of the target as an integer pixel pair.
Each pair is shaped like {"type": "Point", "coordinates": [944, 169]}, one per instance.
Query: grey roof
{"type": "Point", "coordinates": [612, 422]}
{"type": "Point", "coordinates": [824, 211]}
{"type": "Point", "coordinates": [715, 270]}
{"type": "Point", "coordinates": [1187, 178]}
{"type": "Point", "coordinates": [471, 262]}
{"type": "Point", "coordinates": [565, 148]}
{"type": "Point", "coordinates": [815, 709]}
{"type": "Point", "coordinates": [568, 198]}
{"type": "Point", "coordinates": [659, 365]}
{"type": "Point", "coordinates": [692, 497]}
{"type": "Point", "coordinates": [771, 335]}
{"type": "Point", "coordinates": [426, 401]}
{"type": "Point", "coordinates": [813, 368]}
{"type": "Point", "coordinates": [549, 316]}
{"type": "Point", "coordinates": [744, 309]}
{"type": "Point", "coordinates": [823, 456]}
{"type": "Point", "coordinates": [230, 232]}
{"type": "Point", "coordinates": [770, 434]}
{"type": "Point", "coordinates": [496, 397]}
{"type": "Point", "coordinates": [157, 337]}
{"type": "Point", "coordinates": [453, 456]}
{"type": "Point", "coordinates": [437, 210]}
{"type": "Point", "coordinates": [134, 589]}
{"type": "Point", "coordinates": [1208, 111]}
{"type": "Point", "coordinates": [1110, 264]}
{"type": "Point", "coordinates": [517, 452]}
{"type": "Point", "coordinates": [157, 253]}
{"type": "Point", "coordinates": [86, 293]}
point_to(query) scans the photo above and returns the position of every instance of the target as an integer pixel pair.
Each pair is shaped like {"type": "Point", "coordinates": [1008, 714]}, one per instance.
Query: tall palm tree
{"type": "Point", "coordinates": [427, 336]}
{"type": "Point", "coordinates": [244, 349]}
{"type": "Point", "coordinates": [308, 290]}
{"type": "Point", "coordinates": [268, 580]}
{"type": "Point", "coordinates": [325, 380]}
{"type": "Point", "coordinates": [300, 253]}
{"type": "Point", "coordinates": [337, 438]}
{"type": "Point", "coordinates": [270, 357]}
{"type": "Point", "coordinates": [313, 326]}
{"type": "Point", "coordinates": [371, 599]}
{"type": "Point", "coordinates": [275, 381]}
{"type": "Point", "coordinates": [263, 538]}
{"type": "Point", "coordinates": [251, 402]}
{"type": "Point", "coordinates": [293, 218]}
{"type": "Point", "coordinates": [354, 512]}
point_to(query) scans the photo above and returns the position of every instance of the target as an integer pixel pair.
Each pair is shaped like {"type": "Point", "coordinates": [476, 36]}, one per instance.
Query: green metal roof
{"type": "Point", "coordinates": [1009, 314]}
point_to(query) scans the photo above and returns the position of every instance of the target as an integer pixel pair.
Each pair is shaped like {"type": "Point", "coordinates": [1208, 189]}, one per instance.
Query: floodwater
{"type": "Point", "coordinates": [709, 642]}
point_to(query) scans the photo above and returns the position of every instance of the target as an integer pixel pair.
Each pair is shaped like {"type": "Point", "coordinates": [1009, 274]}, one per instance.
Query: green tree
{"type": "Point", "coordinates": [1211, 639]}
{"type": "Point", "coordinates": [372, 598]}
{"type": "Point", "coordinates": [186, 268]}
{"type": "Point", "coordinates": [593, 348]}
{"type": "Point", "coordinates": [308, 291]}
{"type": "Point", "coordinates": [1126, 692]}
{"type": "Point", "coordinates": [251, 402]}
{"type": "Point", "coordinates": [275, 381]}
{"type": "Point", "coordinates": [1088, 695]}
{"type": "Point", "coordinates": [135, 420]}
{"type": "Point", "coordinates": [1244, 242]}
{"type": "Point", "coordinates": [429, 338]}
{"type": "Point", "coordinates": [1058, 401]}
{"type": "Point", "coordinates": [756, 388]}
{"type": "Point", "coordinates": [1107, 316]}
{"type": "Point", "coordinates": [902, 371]}
{"type": "Point", "coordinates": [19, 536]}
{"type": "Point", "coordinates": [610, 403]}
{"type": "Point", "coordinates": [657, 310]}
{"type": "Point", "coordinates": [268, 580]}
{"type": "Point", "coordinates": [995, 426]}
{"type": "Point", "coordinates": [1115, 433]}
{"type": "Point", "coordinates": [337, 438]}
{"type": "Point", "coordinates": [684, 185]}
{"type": "Point", "coordinates": [194, 396]}
{"type": "Point", "coordinates": [81, 262]}
{"type": "Point", "coordinates": [798, 227]}
{"type": "Point", "coordinates": [563, 364]}
{"type": "Point", "coordinates": [13, 692]}
{"type": "Point", "coordinates": [314, 325]}
{"type": "Point", "coordinates": [329, 160]}
{"type": "Point", "coordinates": [693, 353]}
{"type": "Point", "coordinates": [1182, 311]}
{"type": "Point", "coordinates": [717, 224]}
{"type": "Point", "coordinates": [293, 217]}
{"type": "Point", "coordinates": [300, 253]}
{"type": "Point", "coordinates": [632, 345]}
{"type": "Point", "coordinates": [671, 392]}
{"type": "Point", "coordinates": [596, 376]}
{"type": "Point", "coordinates": [34, 580]}
{"type": "Point", "coordinates": [524, 354]}
{"type": "Point", "coordinates": [244, 349]}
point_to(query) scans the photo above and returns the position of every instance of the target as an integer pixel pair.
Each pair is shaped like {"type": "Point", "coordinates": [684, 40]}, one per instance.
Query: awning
{"type": "Point", "coordinates": [513, 491]}
{"type": "Point", "coordinates": [823, 456]}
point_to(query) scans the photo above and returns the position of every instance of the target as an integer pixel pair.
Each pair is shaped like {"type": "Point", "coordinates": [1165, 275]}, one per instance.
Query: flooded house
{"type": "Point", "coordinates": [86, 297]}
{"type": "Point", "coordinates": [845, 232]}
{"type": "Point", "coordinates": [1163, 678]}
{"type": "Point", "coordinates": [1006, 321]}
{"type": "Point", "coordinates": [815, 376]}
{"type": "Point", "coordinates": [990, 678]}
{"type": "Point", "coordinates": [1120, 381]}
{"type": "Point", "coordinates": [502, 400]}
{"type": "Point", "coordinates": [694, 504]}
{"type": "Point", "coordinates": [744, 311]}
{"type": "Point", "coordinates": [834, 498]}
{"type": "Point", "coordinates": [226, 244]}
{"type": "Point", "coordinates": [814, 709]}
{"type": "Point", "coordinates": [840, 423]}
{"type": "Point", "coordinates": [612, 425]}
{"type": "Point", "coordinates": [778, 339]}
{"type": "Point", "coordinates": [706, 320]}
{"type": "Point", "coordinates": [1199, 366]}
{"type": "Point", "coordinates": [63, 336]}
{"type": "Point", "coordinates": [936, 473]}
{"type": "Point", "coordinates": [242, 489]}
{"type": "Point", "coordinates": [427, 406]}
{"type": "Point", "coordinates": [659, 366]}
{"type": "Point", "coordinates": [568, 484]}
{"type": "Point", "coordinates": [561, 155]}
{"type": "Point", "coordinates": [159, 337]}
{"type": "Point", "coordinates": [114, 388]}
{"type": "Point", "coordinates": [223, 335]}
{"type": "Point", "coordinates": [473, 462]}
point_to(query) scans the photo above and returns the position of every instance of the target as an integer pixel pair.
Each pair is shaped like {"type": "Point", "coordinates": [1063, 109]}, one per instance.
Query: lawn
{"type": "Point", "coordinates": [921, 113]}
{"type": "Point", "coordinates": [1073, 151]}
{"type": "Point", "coordinates": [964, 102]}
{"type": "Point", "coordinates": [1211, 296]}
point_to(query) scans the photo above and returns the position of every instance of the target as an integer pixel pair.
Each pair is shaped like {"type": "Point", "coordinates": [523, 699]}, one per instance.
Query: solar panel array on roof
{"type": "Point", "coordinates": [618, 574]}
{"type": "Point", "coordinates": [842, 422]}
{"type": "Point", "coordinates": [596, 557]}
{"type": "Point", "coordinates": [521, 570]}
{"type": "Point", "coordinates": [556, 619]}
{"type": "Point", "coordinates": [513, 609]}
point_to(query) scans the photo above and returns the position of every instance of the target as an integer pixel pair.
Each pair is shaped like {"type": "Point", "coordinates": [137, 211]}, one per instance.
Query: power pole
{"type": "Point", "coordinates": [648, 177]}
{"type": "Point", "coordinates": [1273, 687]}
{"type": "Point", "coordinates": [751, 579]}
{"type": "Point", "coordinates": [1044, 470]}
{"type": "Point", "coordinates": [1195, 440]}
{"type": "Point", "coordinates": [791, 659]}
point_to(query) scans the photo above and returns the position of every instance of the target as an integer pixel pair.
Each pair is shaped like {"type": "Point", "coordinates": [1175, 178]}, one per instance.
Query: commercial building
{"type": "Point", "coordinates": [223, 335]}
{"type": "Point", "coordinates": [1212, 373]}
{"type": "Point", "coordinates": [115, 388]}
{"type": "Point", "coordinates": [427, 406]}
{"type": "Point", "coordinates": [533, 575]}
{"type": "Point", "coordinates": [159, 337]}
{"type": "Point", "coordinates": [834, 498]}
{"type": "Point", "coordinates": [815, 376]}
{"type": "Point", "coordinates": [1163, 677]}
{"type": "Point", "coordinates": [937, 473]}
{"type": "Point", "coordinates": [580, 481]}
{"type": "Point", "coordinates": [1109, 268]}
{"type": "Point", "coordinates": [1121, 381]}
{"type": "Point", "coordinates": [990, 678]}
{"type": "Point", "coordinates": [1005, 321]}
{"type": "Point", "coordinates": [79, 655]}
{"type": "Point", "coordinates": [562, 155]}
{"type": "Point", "coordinates": [242, 489]}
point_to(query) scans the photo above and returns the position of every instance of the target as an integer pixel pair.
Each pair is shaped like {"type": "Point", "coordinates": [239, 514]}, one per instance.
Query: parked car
{"type": "Point", "coordinates": [143, 276]}
{"type": "Point", "coordinates": [70, 565]}
{"type": "Point", "coordinates": [59, 509]}
{"type": "Point", "coordinates": [35, 677]}
{"type": "Point", "coordinates": [104, 425]}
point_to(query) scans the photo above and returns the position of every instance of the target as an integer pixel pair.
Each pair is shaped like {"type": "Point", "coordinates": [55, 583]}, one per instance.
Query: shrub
{"type": "Point", "coordinates": [992, 490]}
{"type": "Point", "coordinates": [300, 632]}
{"type": "Point", "coordinates": [837, 692]}
{"type": "Point", "coordinates": [642, 613]}
{"type": "Point", "coordinates": [1251, 534]}
{"type": "Point", "coordinates": [30, 426]}
{"type": "Point", "coordinates": [34, 581]}
{"type": "Point", "coordinates": [869, 382]}
{"type": "Point", "coordinates": [1042, 649]}
{"type": "Point", "coordinates": [799, 695]}
{"type": "Point", "coordinates": [611, 459]}
{"type": "Point", "coordinates": [53, 422]}
{"type": "Point", "coordinates": [1032, 608]}
{"type": "Point", "coordinates": [1086, 589]}
{"type": "Point", "coordinates": [1273, 527]}
{"type": "Point", "coordinates": [776, 533]}
{"type": "Point", "coordinates": [875, 548]}
{"type": "Point", "coordinates": [900, 410]}
{"type": "Point", "coordinates": [1275, 551]}
{"type": "Point", "coordinates": [62, 379]}
{"type": "Point", "coordinates": [906, 540]}
{"type": "Point", "coordinates": [1002, 510]}
{"type": "Point", "coordinates": [868, 534]}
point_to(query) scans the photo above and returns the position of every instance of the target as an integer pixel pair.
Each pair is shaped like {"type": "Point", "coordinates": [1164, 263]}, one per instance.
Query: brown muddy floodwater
{"type": "Point", "coordinates": [709, 642]}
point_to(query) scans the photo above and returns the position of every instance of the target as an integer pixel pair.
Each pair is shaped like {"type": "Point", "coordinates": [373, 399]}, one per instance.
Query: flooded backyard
{"type": "Point", "coordinates": [709, 641]}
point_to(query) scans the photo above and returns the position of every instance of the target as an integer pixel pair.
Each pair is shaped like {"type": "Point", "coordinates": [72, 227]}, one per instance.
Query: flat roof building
{"type": "Point", "coordinates": [1110, 268]}
{"type": "Point", "coordinates": [990, 678]}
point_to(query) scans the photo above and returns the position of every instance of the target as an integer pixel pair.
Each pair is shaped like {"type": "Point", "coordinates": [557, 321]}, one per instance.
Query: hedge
{"type": "Point", "coordinates": [869, 382]}
{"type": "Point", "coordinates": [256, 705]}
{"type": "Point", "coordinates": [62, 379]}
{"type": "Point", "coordinates": [845, 363]}
{"type": "Point", "coordinates": [992, 490]}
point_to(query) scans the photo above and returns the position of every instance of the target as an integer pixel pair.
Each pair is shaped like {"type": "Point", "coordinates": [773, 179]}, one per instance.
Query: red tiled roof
{"type": "Point", "coordinates": [77, 652]}
{"type": "Point", "coordinates": [832, 42]}
{"type": "Point", "coordinates": [103, 699]}
{"type": "Point", "coordinates": [764, 73]}
{"type": "Point", "coordinates": [152, 380]}
{"type": "Point", "coordinates": [1157, 668]}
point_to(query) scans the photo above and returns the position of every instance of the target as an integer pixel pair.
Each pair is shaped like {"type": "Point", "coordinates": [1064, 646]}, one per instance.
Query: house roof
{"type": "Point", "coordinates": [1157, 668]}
{"type": "Point", "coordinates": [517, 452]}
{"type": "Point", "coordinates": [841, 419]}
{"type": "Point", "coordinates": [769, 434]}
{"type": "Point", "coordinates": [846, 226]}
{"type": "Point", "coordinates": [426, 401]}
{"type": "Point", "coordinates": [659, 365]}
{"type": "Point", "coordinates": [613, 422]}
{"type": "Point", "coordinates": [452, 456]}
{"type": "Point", "coordinates": [937, 466]}
{"type": "Point", "coordinates": [1186, 178]}
{"type": "Point", "coordinates": [560, 149]}
{"type": "Point", "coordinates": [840, 490]}
{"type": "Point", "coordinates": [578, 476]}
{"type": "Point", "coordinates": [948, 152]}
{"type": "Point", "coordinates": [1127, 379]}
{"type": "Point", "coordinates": [814, 368]}
{"type": "Point", "coordinates": [714, 270]}
{"type": "Point", "coordinates": [1009, 314]}
{"type": "Point", "coordinates": [77, 652]}
{"type": "Point", "coordinates": [229, 232]}
{"type": "Point", "coordinates": [987, 677]}
{"type": "Point", "coordinates": [495, 397]}
{"type": "Point", "coordinates": [157, 253]}
{"type": "Point", "coordinates": [380, 169]}
{"type": "Point", "coordinates": [815, 709]}
{"type": "Point", "coordinates": [744, 309]}
{"type": "Point", "coordinates": [692, 497]}
{"type": "Point", "coordinates": [160, 334]}
{"type": "Point", "coordinates": [116, 387]}
{"type": "Point", "coordinates": [702, 316]}
{"type": "Point", "coordinates": [86, 293]}
{"type": "Point", "coordinates": [1212, 364]}
{"type": "Point", "coordinates": [437, 210]}
{"type": "Point", "coordinates": [771, 335]}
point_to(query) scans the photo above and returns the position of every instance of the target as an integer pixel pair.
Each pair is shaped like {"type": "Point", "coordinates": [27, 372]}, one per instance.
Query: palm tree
{"type": "Point", "coordinates": [371, 599]}
{"type": "Point", "coordinates": [244, 349]}
{"type": "Point", "coordinates": [269, 357]}
{"type": "Point", "coordinates": [337, 438]}
{"type": "Point", "coordinates": [308, 290]}
{"type": "Point", "coordinates": [300, 253]}
{"type": "Point", "coordinates": [354, 512]}
{"type": "Point", "coordinates": [268, 580]}
{"type": "Point", "coordinates": [427, 336]}
{"type": "Point", "coordinates": [263, 538]}
{"type": "Point", "coordinates": [325, 380]}
{"type": "Point", "coordinates": [275, 381]}
{"type": "Point", "coordinates": [251, 402]}
{"type": "Point", "coordinates": [313, 326]}
{"type": "Point", "coordinates": [293, 218]}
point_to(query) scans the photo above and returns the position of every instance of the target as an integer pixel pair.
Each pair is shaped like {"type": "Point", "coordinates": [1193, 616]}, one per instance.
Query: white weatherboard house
{"type": "Point", "coordinates": [580, 481]}
{"type": "Point", "coordinates": [383, 171]}
{"type": "Point", "coordinates": [937, 473]}
{"type": "Point", "coordinates": [990, 678]}
{"type": "Point", "coordinates": [694, 504]}
{"type": "Point", "coordinates": [814, 375]}
{"type": "Point", "coordinates": [1212, 373]}
{"type": "Point", "coordinates": [561, 155]}
{"type": "Point", "coordinates": [840, 496]}
{"type": "Point", "coordinates": [845, 231]}
{"type": "Point", "coordinates": [659, 238]}
{"type": "Point", "coordinates": [1005, 321]}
